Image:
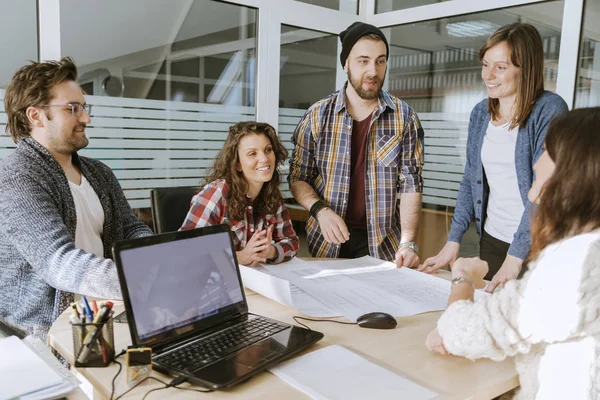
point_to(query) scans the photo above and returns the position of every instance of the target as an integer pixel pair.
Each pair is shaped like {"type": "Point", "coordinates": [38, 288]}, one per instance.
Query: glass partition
{"type": "Point", "coordinates": [434, 66]}
{"type": "Point", "coordinates": [382, 6]}
{"type": "Point", "coordinates": [350, 6]}
{"type": "Point", "coordinates": [309, 62]}
{"type": "Point", "coordinates": [165, 96]}
{"type": "Point", "coordinates": [19, 45]}
{"type": "Point", "coordinates": [588, 78]}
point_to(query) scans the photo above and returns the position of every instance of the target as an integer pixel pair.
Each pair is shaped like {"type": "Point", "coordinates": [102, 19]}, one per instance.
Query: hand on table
{"type": "Point", "coordinates": [509, 270]}
{"type": "Point", "coordinates": [435, 343]}
{"type": "Point", "coordinates": [446, 256]}
{"type": "Point", "coordinates": [407, 257]}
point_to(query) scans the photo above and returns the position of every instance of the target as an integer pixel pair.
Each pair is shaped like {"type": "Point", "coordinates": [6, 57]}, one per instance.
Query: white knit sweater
{"type": "Point", "coordinates": [549, 321]}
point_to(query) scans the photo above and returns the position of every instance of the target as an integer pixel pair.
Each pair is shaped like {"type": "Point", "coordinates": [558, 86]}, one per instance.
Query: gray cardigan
{"type": "Point", "coordinates": [474, 190]}
{"type": "Point", "coordinates": [40, 267]}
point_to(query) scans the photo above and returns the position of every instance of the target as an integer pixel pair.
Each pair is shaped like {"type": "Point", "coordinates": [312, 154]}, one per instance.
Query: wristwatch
{"type": "Point", "coordinates": [411, 245]}
{"type": "Point", "coordinates": [460, 279]}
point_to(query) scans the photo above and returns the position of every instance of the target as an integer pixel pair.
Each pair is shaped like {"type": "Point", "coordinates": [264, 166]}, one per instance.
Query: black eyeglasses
{"type": "Point", "coordinates": [76, 108]}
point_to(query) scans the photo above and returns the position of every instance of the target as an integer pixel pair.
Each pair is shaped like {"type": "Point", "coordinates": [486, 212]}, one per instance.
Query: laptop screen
{"type": "Point", "coordinates": [180, 282]}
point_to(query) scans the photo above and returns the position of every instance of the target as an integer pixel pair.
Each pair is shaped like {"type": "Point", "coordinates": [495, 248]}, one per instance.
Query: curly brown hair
{"type": "Point", "coordinates": [527, 53]}
{"type": "Point", "coordinates": [225, 167]}
{"type": "Point", "coordinates": [570, 200]}
{"type": "Point", "coordinates": [31, 85]}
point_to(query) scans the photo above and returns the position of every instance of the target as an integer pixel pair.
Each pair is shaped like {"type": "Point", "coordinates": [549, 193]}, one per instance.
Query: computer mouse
{"type": "Point", "coordinates": [376, 320]}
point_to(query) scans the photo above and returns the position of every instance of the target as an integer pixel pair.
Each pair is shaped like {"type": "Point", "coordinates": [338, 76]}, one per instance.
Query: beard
{"type": "Point", "coordinates": [357, 84]}
{"type": "Point", "coordinates": [70, 144]}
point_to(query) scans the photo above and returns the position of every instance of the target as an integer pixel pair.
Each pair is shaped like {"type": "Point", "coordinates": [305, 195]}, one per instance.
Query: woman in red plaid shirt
{"type": "Point", "coordinates": [243, 192]}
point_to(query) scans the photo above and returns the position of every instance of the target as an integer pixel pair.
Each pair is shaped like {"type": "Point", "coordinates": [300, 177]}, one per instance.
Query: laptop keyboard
{"type": "Point", "coordinates": [205, 351]}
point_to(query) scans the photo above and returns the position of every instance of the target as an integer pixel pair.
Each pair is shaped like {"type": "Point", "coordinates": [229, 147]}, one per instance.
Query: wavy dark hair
{"type": "Point", "coordinates": [225, 167]}
{"type": "Point", "coordinates": [30, 86]}
{"type": "Point", "coordinates": [570, 200]}
{"type": "Point", "coordinates": [527, 53]}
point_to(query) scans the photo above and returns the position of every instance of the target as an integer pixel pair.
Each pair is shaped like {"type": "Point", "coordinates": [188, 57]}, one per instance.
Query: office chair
{"type": "Point", "coordinates": [170, 205]}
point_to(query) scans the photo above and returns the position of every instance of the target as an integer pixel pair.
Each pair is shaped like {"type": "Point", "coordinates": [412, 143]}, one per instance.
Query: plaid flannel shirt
{"type": "Point", "coordinates": [394, 161]}
{"type": "Point", "coordinates": [209, 207]}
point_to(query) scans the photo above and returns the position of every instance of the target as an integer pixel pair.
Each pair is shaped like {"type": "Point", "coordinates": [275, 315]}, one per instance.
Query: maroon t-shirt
{"type": "Point", "coordinates": [356, 215]}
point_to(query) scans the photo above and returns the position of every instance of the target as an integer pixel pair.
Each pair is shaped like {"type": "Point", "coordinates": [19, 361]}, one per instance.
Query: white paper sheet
{"type": "Point", "coordinates": [338, 373]}
{"type": "Point", "coordinates": [364, 285]}
{"type": "Point", "coordinates": [264, 282]}
{"type": "Point", "coordinates": [22, 371]}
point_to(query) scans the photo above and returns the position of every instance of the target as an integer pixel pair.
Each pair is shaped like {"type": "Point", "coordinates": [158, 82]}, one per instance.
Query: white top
{"type": "Point", "coordinates": [505, 205]}
{"type": "Point", "coordinates": [90, 218]}
{"type": "Point", "coordinates": [549, 321]}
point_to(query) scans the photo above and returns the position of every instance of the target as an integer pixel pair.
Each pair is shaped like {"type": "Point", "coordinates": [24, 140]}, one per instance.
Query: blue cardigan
{"type": "Point", "coordinates": [474, 190]}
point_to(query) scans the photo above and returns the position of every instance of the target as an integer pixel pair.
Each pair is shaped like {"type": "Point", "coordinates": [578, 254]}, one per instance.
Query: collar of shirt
{"type": "Point", "coordinates": [384, 100]}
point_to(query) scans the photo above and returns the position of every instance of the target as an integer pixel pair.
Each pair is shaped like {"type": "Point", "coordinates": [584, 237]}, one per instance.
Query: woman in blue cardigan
{"type": "Point", "coordinates": [506, 136]}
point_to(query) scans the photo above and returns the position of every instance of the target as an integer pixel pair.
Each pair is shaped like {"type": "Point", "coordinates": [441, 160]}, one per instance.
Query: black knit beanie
{"type": "Point", "coordinates": [353, 33]}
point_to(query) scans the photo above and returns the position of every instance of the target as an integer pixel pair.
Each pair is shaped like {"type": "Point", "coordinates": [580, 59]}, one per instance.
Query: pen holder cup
{"type": "Point", "coordinates": [93, 344]}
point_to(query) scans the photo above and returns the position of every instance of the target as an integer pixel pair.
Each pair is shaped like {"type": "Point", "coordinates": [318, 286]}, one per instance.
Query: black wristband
{"type": "Point", "coordinates": [318, 206]}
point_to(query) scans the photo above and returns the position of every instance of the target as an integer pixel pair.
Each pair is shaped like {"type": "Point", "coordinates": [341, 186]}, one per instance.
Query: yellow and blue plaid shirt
{"type": "Point", "coordinates": [394, 161]}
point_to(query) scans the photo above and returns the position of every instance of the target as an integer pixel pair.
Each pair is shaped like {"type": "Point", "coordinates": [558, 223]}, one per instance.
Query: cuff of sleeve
{"type": "Point", "coordinates": [462, 328]}
{"type": "Point", "coordinates": [280, 254]}
{"type": "Point", "coordinates": [413, 184]}
{"type": "Point", "coordinates": [455, 235]}
{"type": "Point", "coordinates": [519, 249]}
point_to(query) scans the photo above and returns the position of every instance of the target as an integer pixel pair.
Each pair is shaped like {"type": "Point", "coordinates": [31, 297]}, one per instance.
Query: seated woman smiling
{"type": "Point", "coordinates": [243, 192]}
{"type": "Point", "coordinates": [549, 319]}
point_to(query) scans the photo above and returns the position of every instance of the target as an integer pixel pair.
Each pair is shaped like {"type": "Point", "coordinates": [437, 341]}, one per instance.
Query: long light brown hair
{"type": "Point", "coordinates": [30, 86]}
{"type": "Point", "coordinates": [570, 200]}
{"type": "Point", "coordinates": [225, 167]}
{"type": "Point", "coordinates": [526, 53]}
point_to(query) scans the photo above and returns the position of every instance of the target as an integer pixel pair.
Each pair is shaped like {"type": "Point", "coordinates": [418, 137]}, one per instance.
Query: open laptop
{"type": "Point", "coordinates": [184, 298]}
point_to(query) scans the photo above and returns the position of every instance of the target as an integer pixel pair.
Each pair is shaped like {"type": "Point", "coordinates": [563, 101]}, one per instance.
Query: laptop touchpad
{"type": "Point", "coordinates": [255, 355]}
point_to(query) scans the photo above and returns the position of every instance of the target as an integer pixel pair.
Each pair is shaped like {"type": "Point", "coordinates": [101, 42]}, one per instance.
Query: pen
{"type": "Point", "coordinates": [94, 332]}
{"type": "Point", "coordinates": [88, 310]}
{"type": "Point", "coordinates": [75, 314]}
{"type": "Point", "coordinates": [95, 307]}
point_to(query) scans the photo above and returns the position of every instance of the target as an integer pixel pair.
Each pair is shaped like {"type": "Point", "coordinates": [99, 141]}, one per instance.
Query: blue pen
{"type": "Point", "coordinates": [88, 310]}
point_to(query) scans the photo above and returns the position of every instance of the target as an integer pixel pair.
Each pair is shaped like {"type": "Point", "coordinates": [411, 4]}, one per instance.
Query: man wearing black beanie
{"type": "Point", "coordinates": [357, 161]}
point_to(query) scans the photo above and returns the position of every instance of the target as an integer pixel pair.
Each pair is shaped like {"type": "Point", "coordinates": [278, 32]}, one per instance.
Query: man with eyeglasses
{"type": "Point", "coordinates": [60, 212]}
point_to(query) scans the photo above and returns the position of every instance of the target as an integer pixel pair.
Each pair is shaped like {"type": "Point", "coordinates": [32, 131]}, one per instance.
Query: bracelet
{"type": "Point", "coordinates": [460, 279]}
{"type": "Point", "coordinates": [315, 208]}
{"type": "Point", "coordinates": [321, 210]}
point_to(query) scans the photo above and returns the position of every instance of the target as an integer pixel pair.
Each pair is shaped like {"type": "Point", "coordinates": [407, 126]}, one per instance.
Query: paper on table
{"type": "Point", "coordinates": [335, 372]}
{"type": "Point", "coordinates": [69, 382]}
{"type": "Point", "coordinates": [263, 281]}
{"type": "Point", "coordinates": [364, 285]}
{"type": "Point", "coordinates": [22, 371]}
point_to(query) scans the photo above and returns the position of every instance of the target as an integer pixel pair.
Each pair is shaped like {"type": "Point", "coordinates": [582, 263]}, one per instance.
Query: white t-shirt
{"type": "Point", "coordinates": [90, 218]}
{"type": "Point", "coordinates": [505, 205]}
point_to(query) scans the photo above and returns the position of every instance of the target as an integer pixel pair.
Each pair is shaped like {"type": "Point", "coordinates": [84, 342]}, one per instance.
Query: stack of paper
{"type": "Point", "coordinates": [338, 373]}
{"type": "Point", "coordinates": [29, 371]}
{"type": "Point", "coordinates": [351, 287]}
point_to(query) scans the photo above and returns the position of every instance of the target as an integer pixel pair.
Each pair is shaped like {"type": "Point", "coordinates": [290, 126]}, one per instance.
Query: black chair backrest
{"type": "Point", "coordinates": [170, 205]}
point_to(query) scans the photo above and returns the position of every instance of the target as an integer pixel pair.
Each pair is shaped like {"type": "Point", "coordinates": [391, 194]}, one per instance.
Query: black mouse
{"type": "Point", "coordinates": [376, 320]}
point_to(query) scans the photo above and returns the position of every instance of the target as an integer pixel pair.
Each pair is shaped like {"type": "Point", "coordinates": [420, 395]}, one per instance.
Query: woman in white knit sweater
{"type": "Point", "coordinates": [549, 320]}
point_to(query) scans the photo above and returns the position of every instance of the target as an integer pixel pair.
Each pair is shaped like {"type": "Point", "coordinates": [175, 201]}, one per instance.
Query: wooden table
{"type": "Point", "coordinates": [401, 350]}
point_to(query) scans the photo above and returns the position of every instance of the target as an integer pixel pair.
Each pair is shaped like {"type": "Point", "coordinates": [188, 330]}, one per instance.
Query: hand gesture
{"type": "Point", "coordinates": [270, 251]}
{"type": "Point", "coordinates": [251, 254]}
{"type": "Point", "coordinates": [473, 269]}
{"type": "Point", "coordinates": [446, 256]}
{"type": "Point", "coordinates": [332, 226]}
{"type": "Point", "coordinates": [435, 343]}
{"type": "Point", "coordinates": [407, 257]}
{"type": "Point", "coordinates": [509, 270]}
